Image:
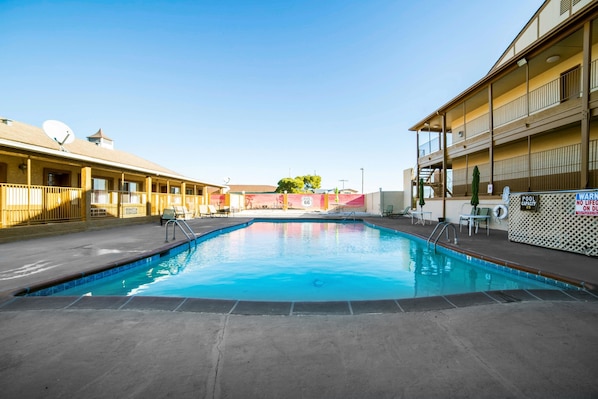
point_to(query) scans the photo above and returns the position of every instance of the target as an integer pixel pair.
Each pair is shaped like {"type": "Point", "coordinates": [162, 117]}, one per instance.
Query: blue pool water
{"type": "Point", "coordinates": [307, 261]}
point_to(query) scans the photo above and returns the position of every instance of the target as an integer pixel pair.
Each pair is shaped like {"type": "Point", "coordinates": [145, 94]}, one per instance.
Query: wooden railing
{"type": "Point", "coordinates": [24, 205]}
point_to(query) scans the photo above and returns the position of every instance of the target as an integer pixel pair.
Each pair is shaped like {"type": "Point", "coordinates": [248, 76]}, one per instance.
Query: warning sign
{"type": "Point", "coordinates": [586, 203]}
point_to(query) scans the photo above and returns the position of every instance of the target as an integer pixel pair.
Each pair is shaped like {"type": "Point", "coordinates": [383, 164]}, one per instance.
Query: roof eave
{"type": "Point", "coordinates": [84, 158]}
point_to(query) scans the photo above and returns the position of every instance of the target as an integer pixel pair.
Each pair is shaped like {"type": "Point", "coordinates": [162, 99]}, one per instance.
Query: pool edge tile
{"type": "Point", "coordinates": [425, 304]}
{"type": "Point", "coordinates": [375, 306]}
{"type": "Point", "coordinates": [262, 308]}
{"type": "Point", "coordinates": [322, 308]}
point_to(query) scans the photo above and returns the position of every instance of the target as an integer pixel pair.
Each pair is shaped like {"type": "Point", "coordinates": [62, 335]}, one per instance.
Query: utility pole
{"type": "Point", "coordinates": [362, 180]}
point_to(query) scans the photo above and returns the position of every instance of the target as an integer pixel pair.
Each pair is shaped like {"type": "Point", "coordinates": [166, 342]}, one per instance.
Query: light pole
{"type": "Point", "coordinates": [362, 180]}
{"type": "Point", "coordinates": [343, 180]}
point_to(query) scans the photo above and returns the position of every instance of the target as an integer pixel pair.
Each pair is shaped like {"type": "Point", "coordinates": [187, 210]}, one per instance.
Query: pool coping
{"type": "Point", "coordinates": [17, 299]}
{"type": "Point", "coordinates": [264, 308]}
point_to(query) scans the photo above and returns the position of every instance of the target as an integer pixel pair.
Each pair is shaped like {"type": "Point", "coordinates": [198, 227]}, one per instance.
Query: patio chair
{"type": "Point", "coordinates": [203, 211]}
{"type": "Point", "coordinates": [484, 212]}
{"type": "Point", "coordinates": [403, 213]}
{"type": "Point", "coordinates": [167, 214]}
{"type": "Point", "coordinates": [183, 213]}
{"type": "Point", "coordinates": [387, 211]}
{"type": "Point", "coordinates": [464, 219]}
{"type": "Point", "coordinates": [212, 210]}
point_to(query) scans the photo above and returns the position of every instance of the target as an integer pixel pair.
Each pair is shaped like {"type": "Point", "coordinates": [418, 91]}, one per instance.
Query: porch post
{"type": "Point", "coordinates": [86, 188]}
{"type": "Point", "coordinates": [444, 165]}
{"type": "Point", "coordinates": [148, 193]}
{"type": "Point", "coordinates": [585, 106]}
{"type": "Point", "coordinates": [491, 144]}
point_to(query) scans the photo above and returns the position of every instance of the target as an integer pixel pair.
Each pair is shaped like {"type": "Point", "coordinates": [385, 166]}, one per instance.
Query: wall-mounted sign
{"type": "Point", "coordinates": [529, 202]}
{"type": "Point", "coordinates": [306, 202]}
{"type": "Point", "coordinates": [586, 203]}
{"type": "Point", "coordinates": [130, 211]}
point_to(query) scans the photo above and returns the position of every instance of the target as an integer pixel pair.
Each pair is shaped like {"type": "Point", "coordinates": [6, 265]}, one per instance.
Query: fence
{"type": "Point", "coordinates": [25, 205]}
{"type": "Point", "coordinates": [308, 202]}
{"type": "Point", "coordinates": [29, 205]}
{"type": "Point", "coordinates": [554, 222]}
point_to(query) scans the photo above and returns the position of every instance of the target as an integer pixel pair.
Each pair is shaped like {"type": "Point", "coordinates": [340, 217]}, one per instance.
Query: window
{"type": "Point", "coordinates": [56, 178]}
{"type": "Point", "coordinates": [566, 5]}
{"type": "Point", "coordinates": [130, 191]}
{"type": "Point", "coordinates": [99, 190]}
{"type": "Point", "coordinates": [3, 173]}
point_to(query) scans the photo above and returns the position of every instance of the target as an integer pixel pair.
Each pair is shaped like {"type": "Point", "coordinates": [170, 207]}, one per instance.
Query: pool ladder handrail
{"type": "Point", "coordinates": [349, 215]}
{"type": "Point", "coordinates": [445, 226]}
{"type": "Point", "coordinates": [189, 233]}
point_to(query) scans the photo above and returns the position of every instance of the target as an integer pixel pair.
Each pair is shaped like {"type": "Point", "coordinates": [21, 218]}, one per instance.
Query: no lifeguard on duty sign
{"type": "Point", "coordinates": [586, 203]}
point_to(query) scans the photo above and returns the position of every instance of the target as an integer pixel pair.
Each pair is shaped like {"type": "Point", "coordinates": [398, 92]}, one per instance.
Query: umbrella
{"type": "Point", "coordinates": [422, 202]}
{"type": "Point", "coordinates": [475, 187]}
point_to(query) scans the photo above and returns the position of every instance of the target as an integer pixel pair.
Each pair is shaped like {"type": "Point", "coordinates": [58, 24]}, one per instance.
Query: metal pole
{"type": "Point", "coordinates": [362, 180]}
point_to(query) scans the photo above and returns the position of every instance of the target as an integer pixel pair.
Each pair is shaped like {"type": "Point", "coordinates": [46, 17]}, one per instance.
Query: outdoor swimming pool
{"type": "Point", "coordinates": [304, 261]}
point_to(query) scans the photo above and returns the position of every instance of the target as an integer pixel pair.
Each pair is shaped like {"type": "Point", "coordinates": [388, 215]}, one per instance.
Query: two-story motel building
{"type": "Point", "coordinates": [530, 126]}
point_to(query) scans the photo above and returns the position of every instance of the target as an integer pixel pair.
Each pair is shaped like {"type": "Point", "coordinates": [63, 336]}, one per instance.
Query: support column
{"type": "Point", "coordinates": [119, 200]}
{"type": "Point", "coordinates": [491, 144]}
{"type": "Point", "coordinates": [148, 192]}
{"type": "Point", "coordinates": [444, 165]}
{"type": "Point", "coordinates": [28, 190]}
{"type": "Point", "coordinates": [86, 188]}
{"type": "Point", "coordinates": [585, 104]}
{"type": "Point", "coordinates": [167, 193]}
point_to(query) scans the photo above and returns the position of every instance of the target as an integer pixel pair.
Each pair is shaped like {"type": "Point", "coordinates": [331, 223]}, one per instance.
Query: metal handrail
{"type": "Point", "coordinates": [179, 222]}
{"type": "Point", "coordinates": [445, 226]}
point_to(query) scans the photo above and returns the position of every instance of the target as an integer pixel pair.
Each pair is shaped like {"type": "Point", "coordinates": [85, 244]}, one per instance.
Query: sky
{"type": "Point", "coordinates": [252, 91]}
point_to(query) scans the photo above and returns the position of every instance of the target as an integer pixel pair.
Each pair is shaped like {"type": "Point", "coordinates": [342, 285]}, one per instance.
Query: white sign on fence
{"type": "Point", "coordinates": [586, 203]}
{"type": "Point", "coordinates": [306, 202]}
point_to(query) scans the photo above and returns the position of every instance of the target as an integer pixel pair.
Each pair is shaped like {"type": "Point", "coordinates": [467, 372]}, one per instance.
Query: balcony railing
{"type": "Point", "coordinates": [510, 111]}
{"type": "Point", "coordinates": [566, 87]}
{"type": "Point", "coordinates": [430, 146]}
{"type": "Point", "coordinates": [25, 205]}
{"type": "Point", "coordinates": [477, 126]}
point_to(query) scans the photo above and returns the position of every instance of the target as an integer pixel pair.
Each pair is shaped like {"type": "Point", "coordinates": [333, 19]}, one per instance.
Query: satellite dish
{"type": "Point", "coordinates": [58, 132]}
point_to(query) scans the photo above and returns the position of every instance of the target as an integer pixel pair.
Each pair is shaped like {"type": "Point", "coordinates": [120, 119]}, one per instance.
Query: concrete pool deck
{"type": "Point", "coordinates": [515, 344]}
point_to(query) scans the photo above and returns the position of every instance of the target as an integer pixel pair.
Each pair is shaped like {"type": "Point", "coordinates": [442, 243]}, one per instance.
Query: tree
{"type": "Point", "coordinates": [300, 184]}
{"type": "Point", "coordinates": [311, 183]}
{"type": "Point", "coordinates": [290, 185]}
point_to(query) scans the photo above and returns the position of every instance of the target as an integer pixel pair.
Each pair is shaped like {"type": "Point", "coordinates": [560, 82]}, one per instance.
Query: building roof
{"type": "Point", "coordinates": [99, 135]}
{"type": "Point", "coordinates": [252, 188]}
{"type": "Point", "coordinates": [20, 136]}
{"type": "Point", "coordinates": [548, 22]}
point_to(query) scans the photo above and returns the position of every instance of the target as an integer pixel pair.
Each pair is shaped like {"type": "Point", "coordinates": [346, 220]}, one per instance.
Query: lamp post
{"type": "Point", "coordinates": [343, 180]}
{"type": "Point", "coordinates": [362, 180]}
